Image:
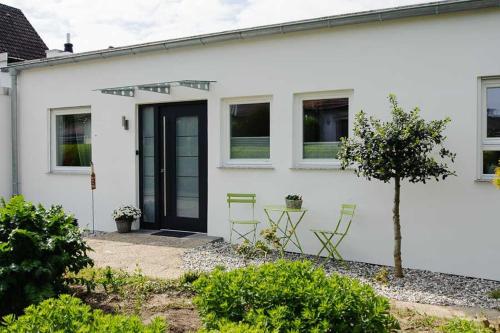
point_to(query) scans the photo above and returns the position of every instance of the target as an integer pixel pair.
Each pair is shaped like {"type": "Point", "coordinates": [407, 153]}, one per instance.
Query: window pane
{"type": "Point", "coordinates": [148, 165]}
{"type": "Point", "coordinates": [73, 140]}
{"type": "Point", "coordinates": [325, 122]}
{"type": "Point", "coordinates": [491, 160]}
{"type": "Point", "coordinates": [187, 167]}
{"type": "Point", "coordinates": [493, 112]}
{"type": "Point", "coordinates": [250, 130]}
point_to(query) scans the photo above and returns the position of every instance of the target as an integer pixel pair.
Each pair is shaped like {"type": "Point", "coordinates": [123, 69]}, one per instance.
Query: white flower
{"type": "Point", "coordinates": [128, 212]}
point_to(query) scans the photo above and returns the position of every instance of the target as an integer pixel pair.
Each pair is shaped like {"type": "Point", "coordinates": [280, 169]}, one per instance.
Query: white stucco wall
{"type": "Point", "coordinates": [451, 226]}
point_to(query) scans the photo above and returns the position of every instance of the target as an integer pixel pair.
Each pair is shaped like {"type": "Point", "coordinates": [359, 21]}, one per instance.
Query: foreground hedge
{"type": "Point", "coordinates": [37, 247]}
{"type": "Point", "coordinates": [69, 314]}
{"type": "Point", "coordinates": [290, 297]}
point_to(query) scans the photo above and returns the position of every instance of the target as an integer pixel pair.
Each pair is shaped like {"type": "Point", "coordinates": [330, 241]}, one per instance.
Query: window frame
{"type": "Point", "coordinates": [299, 162]}
{"type": "Point", "coordinates": [53, 113]}
{"type": "Point", "coordinates": [485, 143]}
{"type": "Point", "coordinates": [227, 161]}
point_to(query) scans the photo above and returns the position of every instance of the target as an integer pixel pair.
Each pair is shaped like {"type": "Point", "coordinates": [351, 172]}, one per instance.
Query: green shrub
{"type": "Point", "coordinates": [187, 278]}
{"type": "Point", "coordinates": [249, 251]}
{"type": "Point", "coordinates": [37, 247]}
{"type": "Point", "coordinates": [229, 327]}
{"type": "Point", "coordinates": [69, 314]}
{"type": "Point", "coordinates": [291, 297]}
{"type": "Point", "coordinates": [459, 325]}
{"type": "Point", "coordinates": [494, 293]}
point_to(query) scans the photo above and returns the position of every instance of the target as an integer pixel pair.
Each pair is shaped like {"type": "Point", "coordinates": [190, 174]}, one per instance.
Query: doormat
{"type": "Point", "coordinates": [172, 233]}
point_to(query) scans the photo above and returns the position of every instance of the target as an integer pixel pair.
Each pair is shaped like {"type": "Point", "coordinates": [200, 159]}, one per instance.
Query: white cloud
{"type": "Point", "coordinates": [98, 24]}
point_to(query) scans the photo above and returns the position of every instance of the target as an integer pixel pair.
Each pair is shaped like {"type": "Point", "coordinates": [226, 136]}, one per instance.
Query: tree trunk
{"type": "Point", "coordinates": [397, 229]}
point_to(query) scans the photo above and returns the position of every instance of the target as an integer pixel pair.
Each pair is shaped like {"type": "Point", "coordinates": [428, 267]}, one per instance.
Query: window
{"type": "Point", "coordinates": [320, 121]}
{"type": "Point", "coordinates": [71, 141]}
{"type": "Point", "coordinates": [324, 123]}
{"type": "Point", "coordinates": [247, 122]}
{"type": "Point", "coordinates": [490, 125]}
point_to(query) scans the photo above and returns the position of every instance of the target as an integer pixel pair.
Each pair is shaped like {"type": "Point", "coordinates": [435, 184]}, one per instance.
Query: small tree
{"type": "Point", "coordinates": [403, 148]}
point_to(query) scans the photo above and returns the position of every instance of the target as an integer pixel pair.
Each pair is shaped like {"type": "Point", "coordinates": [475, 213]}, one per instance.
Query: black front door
{"type": "Point", "coordinates": [181, 166]}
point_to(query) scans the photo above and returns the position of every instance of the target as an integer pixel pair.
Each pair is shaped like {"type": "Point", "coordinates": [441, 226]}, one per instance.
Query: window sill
{"type": "Point", "coordinates": [69, 172]}
{"type": "Point", "coordinates": [246, 166]}
{"type": "Point", "coordinates": [317, 166]}
{"type": "Point", "coordinates": [484, 180]}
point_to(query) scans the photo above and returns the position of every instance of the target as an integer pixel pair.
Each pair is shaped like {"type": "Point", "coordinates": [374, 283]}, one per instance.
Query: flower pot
{"type": "Point", "coordinates": [123, 226]}
{"type": "Point", "coordinates": [293, 204]}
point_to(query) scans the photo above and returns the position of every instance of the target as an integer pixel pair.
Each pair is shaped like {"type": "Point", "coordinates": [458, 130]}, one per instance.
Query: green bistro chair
{"type": "Point", "coordinates": [329, 239]}
{"type": "Point", "coordinates": [249, 225]}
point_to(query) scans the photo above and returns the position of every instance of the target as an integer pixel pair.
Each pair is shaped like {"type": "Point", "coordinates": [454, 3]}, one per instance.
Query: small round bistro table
{"type": "Point", "coordinates": [286, 227]}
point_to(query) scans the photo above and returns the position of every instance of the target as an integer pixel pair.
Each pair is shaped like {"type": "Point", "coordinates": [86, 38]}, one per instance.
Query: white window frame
{"type": "Point", "coordinates": [227, 161]}
{"type": "Point", "coordinates": [485, 143]}
{"type": "Point", "coordinates": [299, 162]}
{"type": "Point", "coordinates": [53, 168]}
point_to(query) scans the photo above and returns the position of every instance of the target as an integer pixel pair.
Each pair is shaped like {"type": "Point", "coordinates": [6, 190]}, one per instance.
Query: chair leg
{"type": "Point", "coordinates": [248, 236]}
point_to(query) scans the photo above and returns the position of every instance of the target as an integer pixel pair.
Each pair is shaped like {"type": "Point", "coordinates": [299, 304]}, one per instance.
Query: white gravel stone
{"type": "Point", "coordinates": [417, 286]}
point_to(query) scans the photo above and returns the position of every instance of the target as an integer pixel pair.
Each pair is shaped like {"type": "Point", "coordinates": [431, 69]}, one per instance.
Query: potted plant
{"type": "Point", "coordinates": [293, 201]}
{"type": "Point", "coordinates": [124, 216]}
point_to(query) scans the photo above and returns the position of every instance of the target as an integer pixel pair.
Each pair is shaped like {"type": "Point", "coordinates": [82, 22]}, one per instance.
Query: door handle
{"type": "Point", "coordinates": [163, 170]}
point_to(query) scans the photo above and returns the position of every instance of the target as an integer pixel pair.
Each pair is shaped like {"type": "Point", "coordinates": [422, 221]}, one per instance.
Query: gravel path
{"type": "Point", "coordinates": [417, 286]}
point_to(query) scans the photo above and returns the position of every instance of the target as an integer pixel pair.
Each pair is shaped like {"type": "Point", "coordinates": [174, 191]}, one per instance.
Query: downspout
{"type": "Point", "coordinates": [13, 117]}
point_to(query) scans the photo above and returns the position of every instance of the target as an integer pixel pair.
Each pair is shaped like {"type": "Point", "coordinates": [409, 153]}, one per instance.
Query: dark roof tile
{"type": "Point", "coordinates": [18, 37]}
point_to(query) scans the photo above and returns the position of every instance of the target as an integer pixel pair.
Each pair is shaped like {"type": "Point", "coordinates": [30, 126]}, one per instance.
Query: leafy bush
{"type": "Point", "coordinates": [494, 294]}
{"type": "Point", "coordinates": [229, 327]}
{"type": "Point", "coordinates": [69, 314]}
{"type": "Point", "coordinates": [291, 297]}
{"type": "Point", "coordinates": [37, 247]}
{"type": "Point", "coordinates": [459, 325]}
{"type": "Point", "coordinates": [189, 277]}
{"type": "Point", "coordinates": [249, 251]}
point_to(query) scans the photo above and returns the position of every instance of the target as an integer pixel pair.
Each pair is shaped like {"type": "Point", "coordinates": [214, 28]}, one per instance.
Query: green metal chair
{"type": "Point", "coordinates": [329, 239]}
{"type": "Point", "coordinates": [251, 224]}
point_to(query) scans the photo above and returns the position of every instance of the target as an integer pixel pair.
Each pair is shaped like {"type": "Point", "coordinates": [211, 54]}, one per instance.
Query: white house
{"type": "Point", "coordinates": [172, 126]}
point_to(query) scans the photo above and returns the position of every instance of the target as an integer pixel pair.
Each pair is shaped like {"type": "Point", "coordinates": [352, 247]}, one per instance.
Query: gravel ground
{"type": "Point", "coordinates": [417, 286]}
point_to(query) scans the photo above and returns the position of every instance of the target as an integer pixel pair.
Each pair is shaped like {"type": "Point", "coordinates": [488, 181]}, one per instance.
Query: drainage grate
{"type": "Point", "coordinates": [171, 233]}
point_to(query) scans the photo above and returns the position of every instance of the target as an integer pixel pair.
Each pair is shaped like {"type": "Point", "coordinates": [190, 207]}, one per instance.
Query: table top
{"type": "Point", "coordinates": [283, 208]}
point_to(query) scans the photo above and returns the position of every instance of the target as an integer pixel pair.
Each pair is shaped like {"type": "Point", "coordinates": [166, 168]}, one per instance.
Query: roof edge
{"type": "Point", "coordinates": [379, 15]}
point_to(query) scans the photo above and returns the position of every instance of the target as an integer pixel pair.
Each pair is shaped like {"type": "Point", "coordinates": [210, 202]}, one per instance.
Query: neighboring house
{"type": "Point", "coordinates": [172, 126]}
{"type": "Point", "coordinates": [18, 38]}
{"type": "Point", "coordinates": [19, 41]}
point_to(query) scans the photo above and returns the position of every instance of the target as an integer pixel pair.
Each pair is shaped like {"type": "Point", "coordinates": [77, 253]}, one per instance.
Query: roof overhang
{"type": "Point", "coordinates": [426, 9]}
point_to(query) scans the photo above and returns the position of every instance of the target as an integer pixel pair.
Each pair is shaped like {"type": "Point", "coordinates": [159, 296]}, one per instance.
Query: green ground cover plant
{"type": "Point", "coordinates": [70, 314]}
{"type": "Point", "coordinates": [291, 297]}
{"type": "Point", "coordinates": [37, 247]}
{"type": "Point", "coordinates": [460, 325]}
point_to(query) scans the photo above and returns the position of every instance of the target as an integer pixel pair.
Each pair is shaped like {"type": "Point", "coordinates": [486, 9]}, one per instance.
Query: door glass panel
{"type": "Point", "coordinates": [187, 145]}
{"type": "Point", "coordinates": [148, 174]}
{"type": "Point", "coordinates": [187, 207]}
{"type": "Point", "coordinates": [187, 167]}
{"type": "Point", "coordinates": [149, 166]}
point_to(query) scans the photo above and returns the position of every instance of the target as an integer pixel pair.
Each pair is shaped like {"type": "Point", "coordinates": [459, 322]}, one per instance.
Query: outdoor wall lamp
{"type": "Point", "coordinates": [125, 123]}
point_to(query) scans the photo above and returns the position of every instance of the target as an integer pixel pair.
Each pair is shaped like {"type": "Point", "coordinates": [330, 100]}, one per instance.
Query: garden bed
{"type": "Point", "coordinates": [417, 286]}
{"type": "Point", "coordinates": [136, 294]}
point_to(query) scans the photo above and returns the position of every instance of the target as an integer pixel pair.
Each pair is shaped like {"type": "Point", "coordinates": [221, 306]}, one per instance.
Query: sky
{"type": "Point", "coordinates": [98, 24]}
